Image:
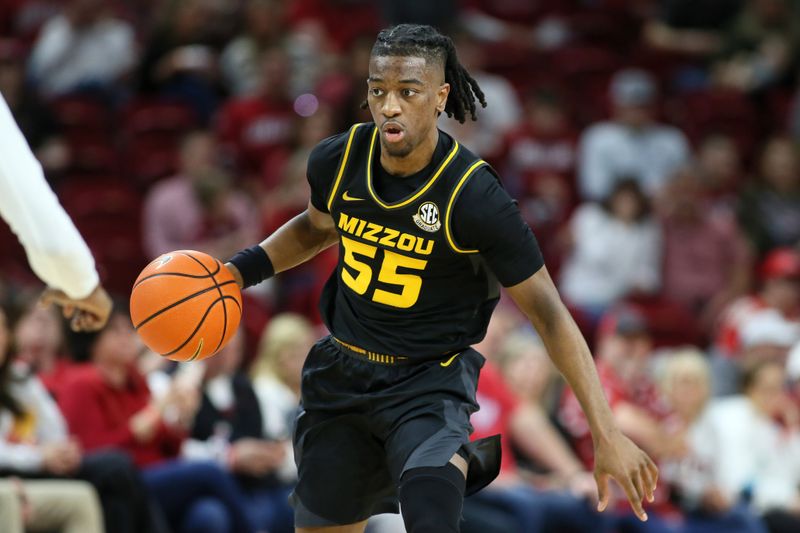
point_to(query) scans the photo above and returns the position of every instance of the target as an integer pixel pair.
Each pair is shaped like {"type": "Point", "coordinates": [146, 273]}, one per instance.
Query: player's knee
{"type": "Point", "coordinates": [431, 499]}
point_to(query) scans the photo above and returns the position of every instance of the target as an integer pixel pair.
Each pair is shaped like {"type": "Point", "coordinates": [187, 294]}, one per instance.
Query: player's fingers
{"type": "Point", "coordinates": [53, 296]}
{"type": "Point", "coordinates": [634, 497]}
{"type": "Point", "coordinates": [68, 311]}
{"type": "Point", "coordinates": [647, 482]}
{"type": "Point", "coordinates": [602, 491]}
{"type": "Point", "coordinates": [653, 469]}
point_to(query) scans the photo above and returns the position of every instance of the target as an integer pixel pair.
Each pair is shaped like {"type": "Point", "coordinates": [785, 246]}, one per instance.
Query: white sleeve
{"type": "Point", "coordinates": [56, 251]}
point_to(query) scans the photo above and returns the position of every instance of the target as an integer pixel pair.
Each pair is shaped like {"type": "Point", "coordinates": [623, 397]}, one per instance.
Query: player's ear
{"type": "Point", "coordinates": [441, 97]}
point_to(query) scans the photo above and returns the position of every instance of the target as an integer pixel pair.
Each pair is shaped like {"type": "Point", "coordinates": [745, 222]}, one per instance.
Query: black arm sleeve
{"type": "Point", "coordinates": [487, 219]}
{"type": "Point", "coordinates": [323, 161]}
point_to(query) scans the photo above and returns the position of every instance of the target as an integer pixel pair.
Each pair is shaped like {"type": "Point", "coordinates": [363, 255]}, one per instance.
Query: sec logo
{"type": "Point", "coordinates": [427, 217]}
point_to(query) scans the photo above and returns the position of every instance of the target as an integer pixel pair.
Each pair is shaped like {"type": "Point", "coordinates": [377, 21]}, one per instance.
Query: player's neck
{"type": "Point", "coordinates": [415, 161]}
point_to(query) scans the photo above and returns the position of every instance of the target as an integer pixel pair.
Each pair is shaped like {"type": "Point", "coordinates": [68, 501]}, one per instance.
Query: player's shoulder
{"type": "Point", "coordinates": [328, 152]}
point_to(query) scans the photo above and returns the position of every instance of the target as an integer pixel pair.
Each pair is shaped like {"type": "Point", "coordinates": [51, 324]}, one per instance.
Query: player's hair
{"type": "Point", "coordinates": [419, 40]}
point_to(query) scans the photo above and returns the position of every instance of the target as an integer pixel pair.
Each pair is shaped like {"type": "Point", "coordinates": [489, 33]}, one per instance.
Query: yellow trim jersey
{"type": "Point", "coordinates": [405, 284]}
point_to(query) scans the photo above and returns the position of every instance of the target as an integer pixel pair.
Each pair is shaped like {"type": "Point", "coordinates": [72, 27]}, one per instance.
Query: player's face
{"type": "Point", "coordinates": [405, 96]}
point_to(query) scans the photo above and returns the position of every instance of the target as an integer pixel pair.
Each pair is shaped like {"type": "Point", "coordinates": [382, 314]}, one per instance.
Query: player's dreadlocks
{"type": "Point", "coordinates": [425, 41]}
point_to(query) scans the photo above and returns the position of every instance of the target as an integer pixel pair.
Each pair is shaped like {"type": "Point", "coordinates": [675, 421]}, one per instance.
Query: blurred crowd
{"type": "Point", "coordinates": [652, 146]}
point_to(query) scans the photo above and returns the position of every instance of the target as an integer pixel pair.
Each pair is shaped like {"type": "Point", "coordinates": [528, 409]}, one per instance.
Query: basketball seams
{"type": "Point", "coordinates": [177, 274]}
{"type": "Point", "coordinates": [222, 296]}
{"type": "Point", "coordinates": [196, 328]}
{"type": "Point", "coordinates": [182, 300]}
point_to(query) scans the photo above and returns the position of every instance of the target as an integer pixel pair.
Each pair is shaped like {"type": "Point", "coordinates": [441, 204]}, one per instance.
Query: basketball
{"type": "Point", "coordinates": [185, 305]}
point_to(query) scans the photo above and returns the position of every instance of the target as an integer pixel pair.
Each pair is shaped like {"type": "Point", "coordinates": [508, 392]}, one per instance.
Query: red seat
{"type": "Point", "coordinates": [155, 115]}
{"type": "Point", "coordinates": [82, 117]}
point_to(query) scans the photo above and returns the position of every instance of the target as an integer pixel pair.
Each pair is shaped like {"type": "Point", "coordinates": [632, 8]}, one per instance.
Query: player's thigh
{"type": "Point", "coordinates": [350, 528]}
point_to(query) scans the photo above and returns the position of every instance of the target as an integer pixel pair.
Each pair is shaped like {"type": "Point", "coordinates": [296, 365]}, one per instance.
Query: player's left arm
{"type": "Point", "coordinates": [616, 456]}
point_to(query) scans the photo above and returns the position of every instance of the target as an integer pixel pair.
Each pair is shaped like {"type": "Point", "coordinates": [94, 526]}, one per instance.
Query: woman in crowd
{"type": "Point", "coordinates": [108, 405]}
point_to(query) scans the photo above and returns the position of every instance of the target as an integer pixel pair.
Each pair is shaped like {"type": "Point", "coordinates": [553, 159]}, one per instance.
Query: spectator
{"type": "Point", "coordinates": [241, 60]}
{"type": "Point", "coordinates": [180, 59]}
{"type": "Point", "coordinates": [769, 209]}
{"type": "Point", "coordinates": [532, 508]}
{"type": "Point", "coordinates": [253, 128]}
{"type": "Point", "coordinates": [624, 358]}
{"type": "Point", "coordinates": [28, 420]}
{"type": "Point", "coordinates": [276, 372]}
{"type": "Point", "coordinates": [615, 251]}
{"type": "Point", "coordinates": [632, 143]}
{"type": "Point", "coordinates": [228, 427]}
{"type": "Point", "coordinates": [502, 112]}
{"type": "Point", "coordinates": [197, 209]}
{"type": "Point", "coordinates": [623, 352]}
{"type": "Point", "coordinates": [39, 344]}
{"type": "Point", "coordinates": [760, 46]}
{"type": "Point", "coordinates": [778, 298]}
{"type": "Point", "coordinates": [108, 405]}
{"type": "Point", "coordinates": [37, 124]}
{"type": "Point", "coordinates": [34, 443]}
{"type": "Point", "coordinates": [45, 505]}
{"type": "Point", "coordinates": [82, 48]}
{"type": "Point", "coordinates": [691, 27]}
{"type": "Point", "coordinates": [538, 166]}
{"type": "Point", "coordinates": [707, 261]}
{"type": "Point", "coordinates": [543, 145]}
{"type": "Point", "coordinates": [752, 444]}
{"type": "Point", "coordinates": [720, 168]}
{"type": "Point", "coordinates": [686, 385]}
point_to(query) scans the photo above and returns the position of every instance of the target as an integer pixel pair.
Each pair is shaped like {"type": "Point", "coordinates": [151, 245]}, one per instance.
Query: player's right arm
{"type": "Point", "coordinates": [297, 241]}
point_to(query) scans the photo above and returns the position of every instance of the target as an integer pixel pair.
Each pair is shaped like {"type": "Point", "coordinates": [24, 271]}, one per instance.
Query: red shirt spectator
{"type": "Point", "coordinates": [344, 22]}
{"type": "Point", "coordinates": [780, 292]}
{"type": "Point", "coordinates": [107, 404]}
{"type": "Point", "coordinates": [99, 415]}
{"type": "Point", "coordinates": [254, 128]}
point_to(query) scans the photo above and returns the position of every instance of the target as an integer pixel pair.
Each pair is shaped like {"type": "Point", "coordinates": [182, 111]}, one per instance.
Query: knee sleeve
{"type": "Point", "coordinates": [431, 499]}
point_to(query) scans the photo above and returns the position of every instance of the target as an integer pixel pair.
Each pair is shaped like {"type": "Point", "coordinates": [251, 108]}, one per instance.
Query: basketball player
{"type": "Point", "coordinates": [425, 233]}
{"type": "Point", "coordinates": [55, 249]}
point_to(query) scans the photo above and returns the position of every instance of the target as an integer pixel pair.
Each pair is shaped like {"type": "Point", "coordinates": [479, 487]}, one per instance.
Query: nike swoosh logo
{"type": "Point", "coordinates": [447, 363]}
{"type": "Point", "coordinates": [348, 198]}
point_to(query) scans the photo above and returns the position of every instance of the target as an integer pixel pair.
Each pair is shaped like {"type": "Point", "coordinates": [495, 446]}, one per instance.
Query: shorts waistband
{"type": "Point", "coordinates": [375, 357]}
{"type": "Point", "coordinates": [386, 359]}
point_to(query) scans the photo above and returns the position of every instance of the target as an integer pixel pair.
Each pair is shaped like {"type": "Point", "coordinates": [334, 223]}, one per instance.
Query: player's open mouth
{"type": "Point", "coordinates": [393, 133]}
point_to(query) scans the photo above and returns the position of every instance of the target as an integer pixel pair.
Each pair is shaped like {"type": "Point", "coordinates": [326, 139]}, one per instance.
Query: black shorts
{"type": "Point", "coordinates": [363, 423]}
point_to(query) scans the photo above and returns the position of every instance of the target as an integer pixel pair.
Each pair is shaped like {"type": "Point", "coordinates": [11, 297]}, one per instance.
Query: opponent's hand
{"type": "Point", "coordinates": [621, 459]}
{"type": "Point", "coordinates": [85, 314]}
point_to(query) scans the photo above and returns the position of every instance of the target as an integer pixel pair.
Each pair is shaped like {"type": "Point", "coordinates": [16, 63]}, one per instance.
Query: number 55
{"type": "Point", "coordinates": [410, 284]}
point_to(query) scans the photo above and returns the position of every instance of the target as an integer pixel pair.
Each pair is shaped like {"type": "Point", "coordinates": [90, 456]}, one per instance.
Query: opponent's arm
{"type": "Point", "coordinates": [615, 455]}
{"type": "Point", "coordinates": [297, 241]}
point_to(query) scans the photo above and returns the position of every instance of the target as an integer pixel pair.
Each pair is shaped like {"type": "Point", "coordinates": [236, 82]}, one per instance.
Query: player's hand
{"type": "Point", "coordinates": [236, 274]}
{"type": "Point", "coordinates": [85, 314]}
{"type": "Point", "coordinates": [619, 458]}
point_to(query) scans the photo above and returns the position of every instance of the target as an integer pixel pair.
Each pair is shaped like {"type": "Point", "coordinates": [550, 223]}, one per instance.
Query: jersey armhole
{"type": "Point", "coordinates": [451, 202]}
{"type": "Point", "coordinates": [342, 165]}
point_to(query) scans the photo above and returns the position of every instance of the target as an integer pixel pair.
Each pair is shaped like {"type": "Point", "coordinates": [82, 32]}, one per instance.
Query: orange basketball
{"type": "Point", "coordinates": [185, 305]}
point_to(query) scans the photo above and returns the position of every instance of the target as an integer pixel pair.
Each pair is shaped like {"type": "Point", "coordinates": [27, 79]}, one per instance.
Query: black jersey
{"type": "Point", "coordinates": [404, 284]}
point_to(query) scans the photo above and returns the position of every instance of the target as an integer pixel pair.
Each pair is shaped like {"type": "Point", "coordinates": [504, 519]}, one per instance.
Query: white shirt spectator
{"type": "Point", "coordinates": [609, 151]}
{"type": "Point", "coordinates": [55, 249]}
{"type": "Point", "coordinates": [610, 258]}
{"type": "Point", "coordinates": [43, 420]}
{"type": "Point", "coordinates": [66, 57]}
{"type": "Point", "coordinates": [735, 448]}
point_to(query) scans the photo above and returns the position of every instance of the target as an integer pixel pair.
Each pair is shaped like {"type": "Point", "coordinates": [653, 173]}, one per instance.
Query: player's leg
{"type": "Point", "coordinates": [350, 528]}
{"type": "Point", "coordinates": [431, 498]}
